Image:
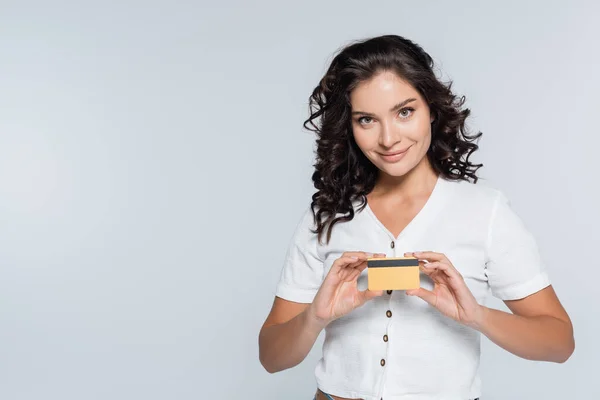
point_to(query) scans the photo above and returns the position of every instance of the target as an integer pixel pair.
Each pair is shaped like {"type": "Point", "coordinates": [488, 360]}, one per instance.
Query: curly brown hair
{"type": "Point", "coordinates": [343, 174]}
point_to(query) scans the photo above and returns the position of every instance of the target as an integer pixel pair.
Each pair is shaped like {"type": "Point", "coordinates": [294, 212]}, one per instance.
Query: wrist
{"type": "Point", "coordinates": [313, 321]}
{"type": "Point", "coordinates": [479, 320]}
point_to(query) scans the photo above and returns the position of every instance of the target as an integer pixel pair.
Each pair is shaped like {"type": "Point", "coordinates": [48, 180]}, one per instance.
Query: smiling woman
{"type": "Point", "coordinates": [393, 179]}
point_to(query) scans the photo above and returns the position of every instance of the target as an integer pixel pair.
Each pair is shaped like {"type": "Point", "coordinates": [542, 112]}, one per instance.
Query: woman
{"type": "Point", "coordinates": [393, 179]}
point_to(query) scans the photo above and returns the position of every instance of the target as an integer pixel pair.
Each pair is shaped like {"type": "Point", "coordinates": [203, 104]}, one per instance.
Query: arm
{"type": "Point", "coordinates": [291, 329]}
{"type": "Point", "coordinates": [538, 329]}
{"type": "Point", "coordinates": [287, 335]}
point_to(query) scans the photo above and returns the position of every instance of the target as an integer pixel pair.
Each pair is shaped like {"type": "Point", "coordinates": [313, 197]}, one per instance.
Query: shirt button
{"type": "Point", "coordinates": [389, 292]}
{"type": "Point", "coordinates": [388, 313]}
{"type": "Point", "coordinates": [392, 245]}
{"type": "Point", "coordinates": [382, 362]}
{"type": "Point", "coordinates": [385, 338]}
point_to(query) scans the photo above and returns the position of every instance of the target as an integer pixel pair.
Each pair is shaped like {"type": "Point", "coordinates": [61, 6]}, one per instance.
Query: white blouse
{"type": "Point", "coordinates": [413, 351]}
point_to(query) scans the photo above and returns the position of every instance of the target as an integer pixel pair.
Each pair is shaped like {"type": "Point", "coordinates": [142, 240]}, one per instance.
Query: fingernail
{"type": "Point", "coordinates": [354, 257]}
{"type": "Point", "coordinates": [370, 255]}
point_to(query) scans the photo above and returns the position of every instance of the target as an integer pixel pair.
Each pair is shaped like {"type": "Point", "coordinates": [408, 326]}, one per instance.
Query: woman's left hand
{"type": "Point", "coordinates": [450, 294]}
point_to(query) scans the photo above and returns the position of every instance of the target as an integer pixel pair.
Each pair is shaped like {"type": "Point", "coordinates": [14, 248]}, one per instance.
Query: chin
{"type": "Point", "coordinates": [395, 170]}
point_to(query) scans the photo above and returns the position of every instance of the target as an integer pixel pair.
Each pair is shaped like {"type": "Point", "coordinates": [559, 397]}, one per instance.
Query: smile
{"type": "Point", "coordinates": [395, 156]}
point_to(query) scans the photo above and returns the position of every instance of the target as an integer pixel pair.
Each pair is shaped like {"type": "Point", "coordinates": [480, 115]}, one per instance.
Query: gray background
{"type": "Point", "coordinates": [153, 167]}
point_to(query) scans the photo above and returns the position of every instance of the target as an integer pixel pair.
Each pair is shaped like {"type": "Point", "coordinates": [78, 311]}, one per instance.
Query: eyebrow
{"type": "Point", "coordinates": [395, 108]}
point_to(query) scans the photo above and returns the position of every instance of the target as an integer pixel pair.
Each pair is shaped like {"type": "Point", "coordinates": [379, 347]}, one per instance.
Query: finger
{"type": "Point", "coordinates": [340, 267]}
{"type": "Point", "coordinates": [376, 255]}
{"type": "Point", "coordinates": [367, 294]}
{"type": "Point", "coordinates": [413, 253]}
{"type": "Point", "coordinates": [447, 269]}
{"type": "Point", "coordinates": [424, 294]}
{"type": "Point", "coordinates": [361, 258]}
{"type": "Point", "coordinates": [454, 280]}
{"type": "Point", "coordinates": [431, 256]}
{"type": "Point", "coordinates": [345, 261]}
{"type": "Point", "coordinates": [362, 265]}
{"type": "Point", "coordinates": [422, 262]}
{"type": "Point", "coordinates": [353, 275]}
{"type": "Point", "coordinates": [351, 271]}
{"type": "Point", "coordinates": [350, 260]}
{"type": "Point", "coordinates": [363, 255]}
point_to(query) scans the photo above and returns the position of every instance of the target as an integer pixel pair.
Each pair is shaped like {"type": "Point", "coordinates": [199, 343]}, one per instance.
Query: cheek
{"type": "Point", "coordinates": [364, 139]}
{"type": "Point", "coordinates": [420, 132]}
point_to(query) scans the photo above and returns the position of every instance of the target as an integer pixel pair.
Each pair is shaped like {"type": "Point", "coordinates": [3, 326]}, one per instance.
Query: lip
{"type": "Point", "coordinates": [395, 156]}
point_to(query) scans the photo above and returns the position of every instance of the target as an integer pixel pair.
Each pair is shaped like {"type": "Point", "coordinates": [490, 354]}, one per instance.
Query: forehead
{"type": "Point", "coordinates": [382, 91]}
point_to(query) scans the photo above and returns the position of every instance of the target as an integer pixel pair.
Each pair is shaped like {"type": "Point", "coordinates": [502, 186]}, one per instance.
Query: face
{"type": "Point", "coordinates": [391, 123]}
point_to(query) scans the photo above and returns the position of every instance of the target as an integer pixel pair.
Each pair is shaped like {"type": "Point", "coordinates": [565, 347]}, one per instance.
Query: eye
{"type": "Point", "coordinates": [406, 112]}
{"type": "Point", "coordinates": [365, 120]}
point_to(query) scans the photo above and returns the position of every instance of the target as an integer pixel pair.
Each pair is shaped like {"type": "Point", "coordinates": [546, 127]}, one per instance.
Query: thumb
{"type": "Point", "coordinates": [367, 294]}
{"type": "Point", "coordinates": [424, 294]}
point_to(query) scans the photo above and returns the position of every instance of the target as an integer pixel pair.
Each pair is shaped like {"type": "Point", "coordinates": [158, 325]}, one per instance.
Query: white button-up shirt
{"type": "Point", "coordinates": [397, 346]}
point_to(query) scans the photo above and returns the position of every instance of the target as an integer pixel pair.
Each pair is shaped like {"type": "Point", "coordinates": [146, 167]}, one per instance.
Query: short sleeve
{"type": "Point", "coordinates": [514, 267]}
{"type": "Point", "coordinates": [303, 270]}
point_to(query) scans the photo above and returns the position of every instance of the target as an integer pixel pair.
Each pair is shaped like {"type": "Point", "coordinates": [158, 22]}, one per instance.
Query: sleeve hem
{"type": "Point", "coordinates": [295, 294]}
{"type": "Point", "coordinates": [525, 289]}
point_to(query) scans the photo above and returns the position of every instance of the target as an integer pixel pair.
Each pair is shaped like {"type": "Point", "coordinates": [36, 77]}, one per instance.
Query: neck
{"type": "Point", "coordinates": [420, 179]}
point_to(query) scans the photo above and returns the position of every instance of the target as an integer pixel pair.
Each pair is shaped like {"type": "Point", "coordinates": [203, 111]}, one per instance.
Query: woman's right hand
{"type": "Point", "coordinates": [339, 294]}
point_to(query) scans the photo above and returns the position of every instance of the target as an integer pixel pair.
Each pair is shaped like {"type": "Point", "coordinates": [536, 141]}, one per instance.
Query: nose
{"type": "Point", "coordinates": [389, 135]}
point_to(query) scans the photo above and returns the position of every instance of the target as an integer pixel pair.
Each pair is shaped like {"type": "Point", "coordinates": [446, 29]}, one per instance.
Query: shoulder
{"type": "Point", "coordinates": [305, 223]}
{"type": "Point", "coordinates": [482, 194]}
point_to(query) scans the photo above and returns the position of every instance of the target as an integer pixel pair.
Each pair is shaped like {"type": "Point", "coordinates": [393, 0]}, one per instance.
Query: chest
{"type": "Point", "coordinates": [461, 237]}
{"type": "Point", "coordinates": [395, 216]}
